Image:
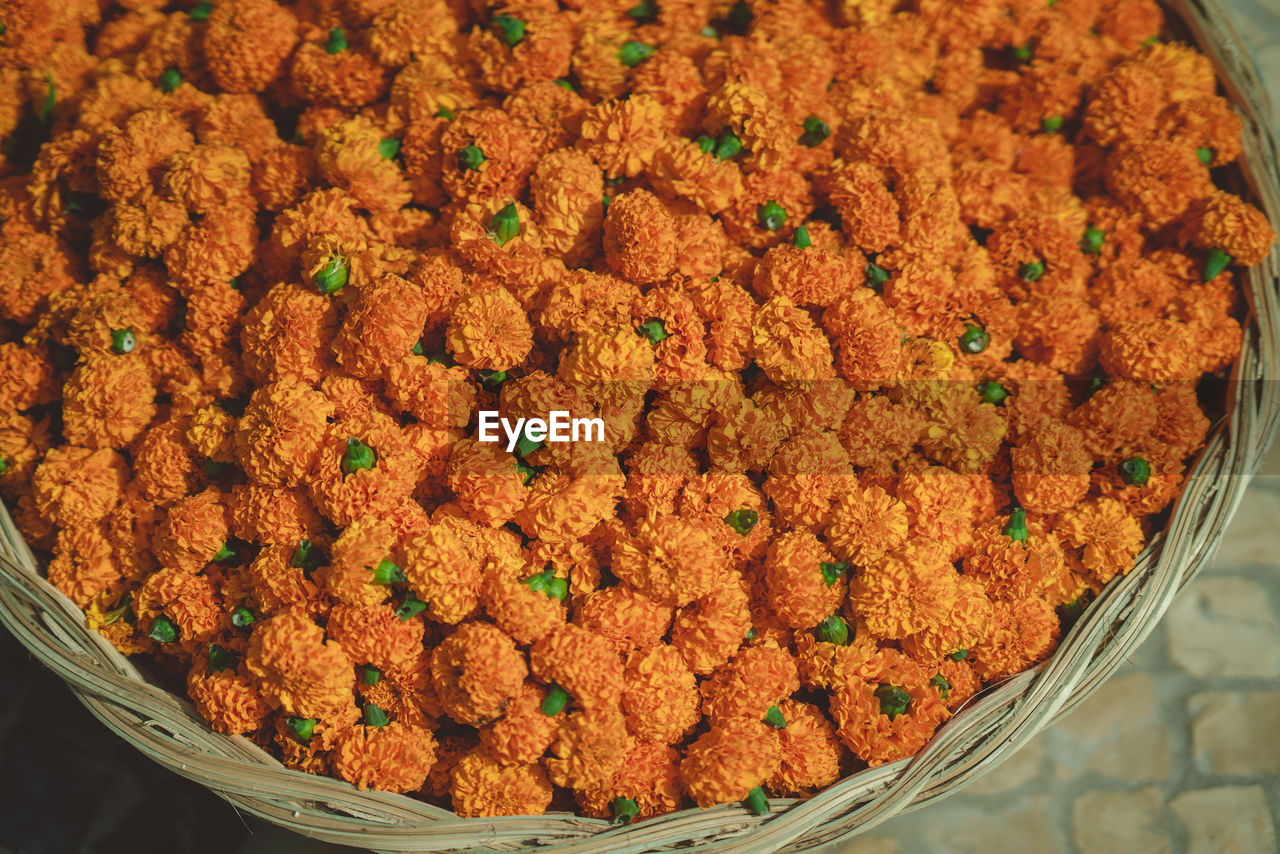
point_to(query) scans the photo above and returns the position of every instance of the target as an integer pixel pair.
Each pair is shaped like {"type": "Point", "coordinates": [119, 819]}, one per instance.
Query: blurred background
{"type": "Point", "coordinates": [1179, 752]}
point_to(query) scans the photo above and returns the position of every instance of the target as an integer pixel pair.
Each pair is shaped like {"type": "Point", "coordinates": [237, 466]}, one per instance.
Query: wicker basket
{"type": "Point", "coordinates": [977, 739]}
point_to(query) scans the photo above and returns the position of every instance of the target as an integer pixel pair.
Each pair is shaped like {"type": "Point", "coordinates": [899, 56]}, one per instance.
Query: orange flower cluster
{"type": "Point", "coordinates": [892, 317]}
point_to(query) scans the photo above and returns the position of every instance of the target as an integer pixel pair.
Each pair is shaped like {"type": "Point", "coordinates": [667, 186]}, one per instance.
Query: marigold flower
{"type": "Point", "coordinates": [226, 699]}
{"type": "Point", "coordinates": [509, 155]}
{"type": "Point", "coordinates": [905, 592]}
{"type": "Point", "coordinates": [1158, 179]}
{"type": "Point", "coordinates": [489, 330]}
{"type": "Point", "coordinates": [298, 671]}
{"type": "Point", "coordinates": [1119, 415]}
{"type": "Point", "coordinates": [108, 401]}
{"type": "Point", "coordinates": [727, 762]}
{"type": "Point", "coordinates": [567, 187]}
{"type": "Point", "coordinates": [661, 695]}
{"type": "Point", "coordinates": [1051, 468]}
{"type": "Point", "coordinates": [523, 733]}
{"type": "Point", "coordinates": [891, 713]}
{"type": "Point", "coordinates": [1230, 224]}
{"type": "Point", "coordinates": [589, 748]}
{"type": "Point", "coordinates": [624, 136]}
{"type": "Point", "coordinates": [484, 787]}
{"type": "Point", "coordinates": [477, 671]}
{"type": "Point", "coordinates": [1155, 351]}
{"type": "Point", "coordinates": [442, 573]}
{"type": "Point", "coordinates": [789, 346]}
{"type": "Point", "coordinates": [193, 531]}
{"type": "Point", "coordinates": [84, 564]}
{"type": "Point", "coordinates": [280, 437]}
{"type": "Point", "coordinates": [1023, 632]}
{"type": "Point", "coordinates": [1109, 537]}
{"type": "Point", "coordinates": [804, 582]}
{"type": "Point", "coordinates": [805, 476]}
{"type": "Point", "coordinates": [648, 776]}
{"type": "Point", "coordinates": [810, 751]}
{"type": "Point", "coordinates": [639, 237]}
{"type": "Point", "coordinates": [395, 757]}
{"type": "Point", "coordinates": [865, 523]}
{"type": "Point", "coordinates": [671, 560]}
{"type": "Point", "coordinates": [1010, 567]}
{"type": "Point", "coordinates": [626, 618]}
{"type": "Point", "coordinates": [187, 604]}
{"type": "Point", "coordinates": [581, 663]}
{"type": "Point", "coordinates": [26, 377]}
{"type": "Point", "coordinates": [583, 301]}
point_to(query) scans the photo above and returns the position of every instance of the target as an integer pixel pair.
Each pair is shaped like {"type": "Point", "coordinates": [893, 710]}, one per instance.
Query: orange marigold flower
{"type": "Point", "coordinates": [624, 136]}
{"type": "Point", "coordinates": [26, 377]}
{"type": "Point", "coordinates": [395, 757]}
{"type": "Point", "coordinates": [78, 486]}
{"type": "Point", "coordinates": [1051, 466]}
{"type": "Point", "coordinates": [1023, 632]}
{"type": "Point", "coordinates": [1154, 351]}
{"type": "Point", "coordinates": [107, 402]}
{"type": "Point", "coordinates": [542, 54]}
{"type": "Point", "coordinates": [297, 670]}
{"type": "Point", "coordinates": [207, 177]}
{"type": "Point", "coordinates": [508, 150]}
{"type": "Point", "coordinates": [639, 237]}
{"type": "Point", "coordinates": [443, 574]}
{"type": "Point", "coordinates": [648, 774]}
{"type": "Point", "coordinates": [364, 544]}
{"type": "Point", "coordinates": [489, 330]}
{"type": "Point", "coordinates": [1011, 568]}
{"type": "Point", "coordinates": [582, 663]}
{"type": "Point", "coordinates": [567, 187]}
{"type": "Point", "coordinates": [523, 733]}
{"type": "Point", "coordinates": [193, 531]}
{"type": "Point", "coordinates": [727, 762]}
{"type": "Point", "coordinates": [808, 473]}
{"type": "Point", "coordinates": [905, 592]}
{"type": "Point", "coordinates": [961, 629]}
{"type": "Point", "coordinates": [1121, 414]}
{"type": "Point", "coordinates": [1228, 223]}
{"type": "Point", "coordinates": [373, 634]}
{"type": "Point", "coordinates": [584, 300]}
{"type": "Point", "coordinates": [1158, 179]}
{"type": "Point", "coordinates": [286, 335]}
{"type": "Point", "coordinates": [246, 43]}
{"type": "Point", "coordinates": [381, 327]}
{"type": "Point", "coordinates": [789, 346]}
{"type": "Point", "coordinates": [1110, 538]}
{"type": "Point", "coordinates": [865, 524]}
{"type": "Point", "coordinates": [810, 751]}
{"type": "Point", "coordinates": [477, 671]}
{"type": "Point", "coordinates": [226, 699]}
{"type": "Point", "coordinates": [661, 695]}
{"type": "Point", "coordinates": [797, 568]}
{"type": "Point", "coordinates": [755, 679]}
{"type": "Point", "coordinates": [681, 169]}
{"type": "Point", "coordinates": [589, 747]}
{"type": "Point", "coordinates": [484, 787]}
{"type": "Point", "coordinates": [350, 77]}
{"type": "Point", "coordinates": [890, 714]}
{"type": "Point", "coordinates": [84, 564]}
{"type": "Point", "coordinates": [164, 465]}
{"type": "Point", "coordinates": [279, 439]}
{"type": "Point", "coordinates": [671, 560]}
{"type": "Point", "coordinates": [625, 617]}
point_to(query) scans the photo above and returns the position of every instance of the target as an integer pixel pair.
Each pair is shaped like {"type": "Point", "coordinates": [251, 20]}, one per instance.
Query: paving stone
{"type": "Point", "coordinates": [1133, 822]}
{"type": "Point", "coordinates": [1225, 820]}
{"type": "Point", "coordinates": [874, 844]}
{"type": "Point", "coordinates": [1223, 626]}
{"type": "Point", "coordinates": [1117, 732]}
{"type": "Point", "coordinates": [976, 826]}
{"type": "Point", "coordinates": [1251, 538]}
{"type": "Point", "coordinates": [1236, 734]}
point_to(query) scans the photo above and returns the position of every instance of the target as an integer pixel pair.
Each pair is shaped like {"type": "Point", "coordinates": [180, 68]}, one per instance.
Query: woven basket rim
{"type": "Point", "coordinates": [978, 738]}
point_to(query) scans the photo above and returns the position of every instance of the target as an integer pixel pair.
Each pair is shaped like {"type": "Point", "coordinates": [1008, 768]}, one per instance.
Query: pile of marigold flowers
{"type": "Point", "coordinates": [894, 314]}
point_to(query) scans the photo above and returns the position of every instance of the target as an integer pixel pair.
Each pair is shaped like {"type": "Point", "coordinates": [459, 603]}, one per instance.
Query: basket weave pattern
{"type": "Point", "coordinates": [167, 729]}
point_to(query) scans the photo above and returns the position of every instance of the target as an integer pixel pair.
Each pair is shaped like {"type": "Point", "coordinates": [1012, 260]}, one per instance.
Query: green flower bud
{"type": "Point", "coordinates": [444, 113]}
{"type": "Point", "coordinates": [547, 582]}
{"type": "Point", "coordinates": [654, 330]}
{"type": "Point", "coordinates": [470, 157]}
{"type": "Point", "coordinates": [992, 392]}
{"type": "Point", "coordinates": [333, 275]}
{"type": "Point", "coordinates": [357, 457]}
{"type": "Point", "coordinates": [645, 10]}
{"type": "Point", "coordinates": [624, 810]}
{"type": "Point", "coordinates": [509, 29]}
{"type": "Point", "coordinates": [1023, 53]}
{"type": "Point", "coordinates": [220, 659]}
{"type": "Point", "coordinates": [1031, 272]}
{"type": "Point", "coordinates": [374, 716]}
{"type": "Point", "coordinates": [387, 572]}
{"type": "Point", "coordinates": [4, 466]}
{"type": "Point", "coordinates": [959, 655]}
{"type": "Point", "coordinates": [875, 275]}
{"type": "Point", "coordinates": [774, 718]}
{"type": "Point", "coordinates": [1135, 471]}
{"type": "Point", "coordinates": [163, 630]}
{"type": "Point", "coordinates": [337, 42]}
{"type": "Point", "coordinates": [771, 215]}
{"type": "Point", "coordinates": [242, 618]}
{"type": "Point", "coordinates": [370, 675]}
{"type": "Point", "coordinates": [974, 340]}
{"type": "Point", "coordinates": [728, 145]}
{"type": "Point", "coordinates": [1093, 240]}
{"type": "Point", "coordinates": [757, 802]}
{"type": "Point", "coordinates": [1053, 124]}
{"type": "Point", "coordinates": [306, 557]}
{"type": "Point", "coordinates": [815, 132]}
{"type": "Point", "coordinates": [555, 701]}
{"type": "Point", "coordinates": [505, 225]}
{"type": "Point", "coordinates": [389, 148]}
{"type": "Point", "coordinates": [1016, 530]}
{"type": "Point", "coordinates": [171, 79]}
{"type": "Point", "coordinates": [302, 728]}
{"type": "Point", "coordinates": [834, 630]}
{"type": "Point", "coordinates": [742, 520]}
{"type": "Point", "coordinates": [633, 53]}
{"type": "Point", "coordinates": [123, 341]}
{"type": "Point", "coordinates": [201, 11]}
{"type": "Point", "coordinates": [1205, 155]}
{"type": "Point", "coordinates": [801, 239]}
{"type": "Point", "coordinates": [410, 608]}
{"type": "Point", "coordinates": [1214, 263]}
{"type": "Point", "coordinates": [893, 700]}
{"type": "Point", "coordinates": [224, 554]}
{"type": "Point", "coordinates": [706, 144]}
{"type": "Point", "coordinates": [831, 572]}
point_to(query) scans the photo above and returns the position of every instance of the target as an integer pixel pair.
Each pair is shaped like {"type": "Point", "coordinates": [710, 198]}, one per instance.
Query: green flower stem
{"type": "Point", "coordinates": [1135, 471]}
{"type": "Point", "coordinates": [756, 802]}
{"type": "Point", "coordinates": [774, 718]}
{"type": "Point", "coordinates": [555, 701]}
{"type": "Point", "coordinates": [625, 810]}
{"type": "Point", "coordinates": [742, 520]}
{"type": "Point", "coordinates": [1214, 263]}
{"type": "Point", "coordinates": [374, 716]}
{"type": "Point", "coordinates": [387, 572]}
{"type": "Point", "coordinates": [1016, 530]}
{"type": "Point", "coordinates": [894, 701]}
{"type": "Point", "coordinates": [974, 340]}
{"type": "Point", "coordinates": [772, 216]}
{"type": "Point", "coordinates": [815, 133]}
{"type": "Point", "coordinates": [509, 29]}
{"type": "Point", "coordinates": [333, 276]}
{"type": "Point", "coordinates": [358, 456]}
{"type": "Point", "coordinates": [831, 572]}
{"type": "Point", "coordinates": [220, 659]}
{"type": "Point", "coordinates": [633, 53]}
{"type": "Point", "coordinates": [654, 330]}
{"type": "Point", "coordinates": [123, 341]}
{"type": "Point", "coordinates": [834, 630]}
{"type": "Point", "coordinates": [302, 728]}
{"type": "Point", "coordinates": [163, 630]}
{"type": "Point", "coordinates": [801, 239]}
{"type": "Point", "coordinates": [410, 608]}
{"type": "Point", "coordinates": [337, 41]}
{"type": "Point", "coordinates": [505, 225]}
